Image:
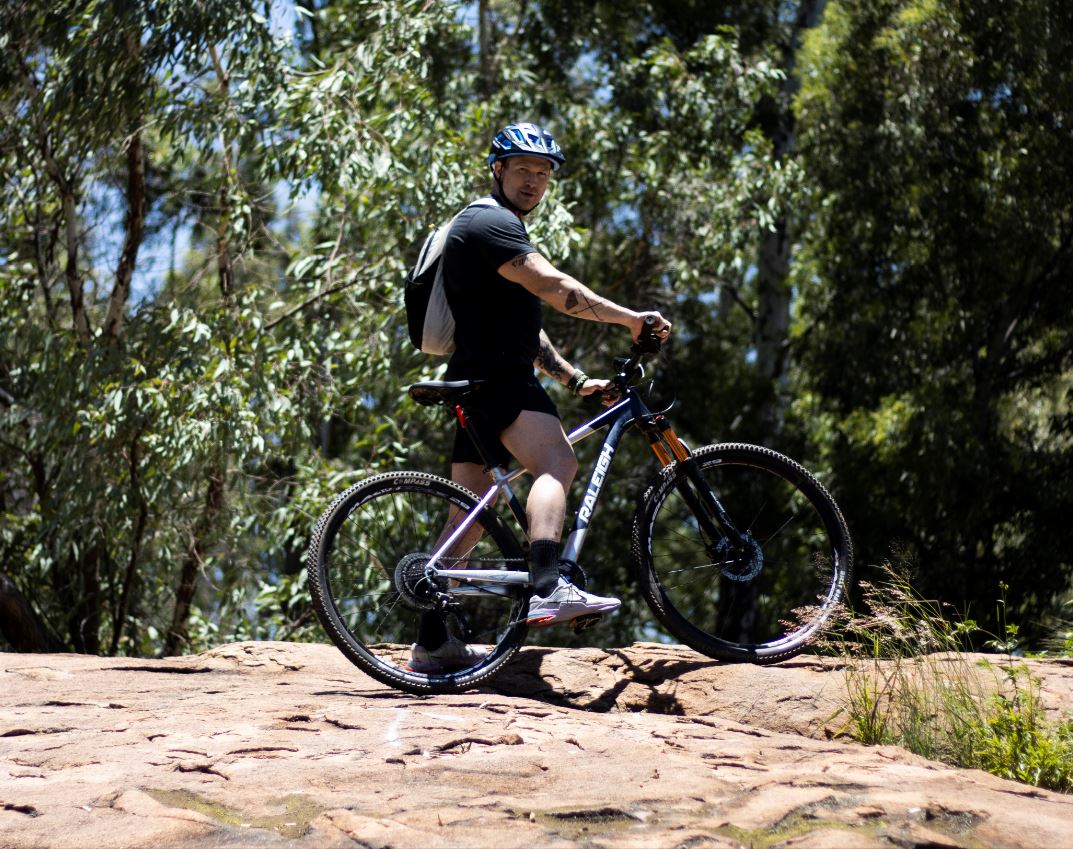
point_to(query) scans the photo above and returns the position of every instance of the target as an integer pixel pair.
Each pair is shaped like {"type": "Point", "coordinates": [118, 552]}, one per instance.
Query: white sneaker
{"type": "Point", "coordinates": [567, 602]}
{"type": "Point", "coordinates": [452, 655]}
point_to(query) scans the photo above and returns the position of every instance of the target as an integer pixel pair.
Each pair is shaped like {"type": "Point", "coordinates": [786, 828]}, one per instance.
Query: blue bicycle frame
{"type": "Point", "coordinates": [620, 417]}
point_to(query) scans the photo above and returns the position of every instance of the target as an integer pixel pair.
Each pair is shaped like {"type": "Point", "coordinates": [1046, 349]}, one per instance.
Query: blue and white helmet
{"type": "Point", "coordinates": [525, 139]}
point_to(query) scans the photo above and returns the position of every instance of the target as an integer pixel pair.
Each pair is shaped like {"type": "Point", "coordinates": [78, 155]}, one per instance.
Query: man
{"type": "Point", "coordinates": [495, 281]}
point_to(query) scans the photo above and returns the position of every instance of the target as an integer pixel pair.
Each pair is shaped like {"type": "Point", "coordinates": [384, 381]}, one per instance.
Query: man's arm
{"type": "Point", "coordinates": [536, 275]}
{"type": "Point", "coordinates": [551, 362]}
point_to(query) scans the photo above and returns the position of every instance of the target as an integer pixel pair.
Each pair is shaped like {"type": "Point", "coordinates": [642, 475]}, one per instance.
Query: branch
{"type": "Point", "coordinates": [223, 249]}
{"type": "Point", "coordinates": [119, 617]}
{"type": "Point", "coordinates": [312, 299]}
{"type": "Point", "coordinates": [117, 301]}
{"type": "Point", "coordinates": [736, 297]}
{"type": "Point", "coordinates": [79, 318]}
{"type": "Point", "coordinates": [194, 561]}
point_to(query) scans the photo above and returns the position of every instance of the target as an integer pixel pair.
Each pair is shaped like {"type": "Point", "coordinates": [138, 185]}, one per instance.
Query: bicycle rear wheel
{"type": "Point", "coordinates": [366, 574]}
{"type": "Point", "coordinates": [760, 599]}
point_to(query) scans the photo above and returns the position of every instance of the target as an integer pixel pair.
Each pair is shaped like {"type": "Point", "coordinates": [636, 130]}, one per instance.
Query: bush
{"type": "Point", "coordinates": [912, 681]}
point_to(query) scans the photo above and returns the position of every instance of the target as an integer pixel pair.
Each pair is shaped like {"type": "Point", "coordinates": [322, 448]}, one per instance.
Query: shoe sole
{"type": "Point", "coordinates": [544, 620]}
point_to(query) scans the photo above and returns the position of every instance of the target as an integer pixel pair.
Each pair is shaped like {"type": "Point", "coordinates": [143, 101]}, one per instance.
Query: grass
{"type": "Point", "coordinates": [914, 681]}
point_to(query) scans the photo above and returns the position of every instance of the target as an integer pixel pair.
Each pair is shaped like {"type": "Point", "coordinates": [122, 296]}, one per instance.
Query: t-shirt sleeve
{"type": "Point", "coordinates": [499, 237]}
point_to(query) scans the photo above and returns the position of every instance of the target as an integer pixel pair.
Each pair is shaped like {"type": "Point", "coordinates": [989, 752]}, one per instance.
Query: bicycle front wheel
{"type": "Point", "coordinates": [759, 596]}
{"type": "Point", "coordinates": [367, 578]}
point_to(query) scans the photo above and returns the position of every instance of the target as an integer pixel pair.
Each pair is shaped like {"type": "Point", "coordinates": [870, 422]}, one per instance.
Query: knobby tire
{"type": "Point", "coordinates": [759, 603]}
{"type": "Point", "coordinates": [355, 551]}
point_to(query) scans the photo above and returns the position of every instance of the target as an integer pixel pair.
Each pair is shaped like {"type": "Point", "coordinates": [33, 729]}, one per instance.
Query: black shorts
{"type": "Point", "coordinates": [492, 410]}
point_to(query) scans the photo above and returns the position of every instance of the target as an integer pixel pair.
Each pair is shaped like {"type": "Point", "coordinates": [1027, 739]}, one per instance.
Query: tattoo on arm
{"type": "Point", "coordinates": [579, 306]}
{"type": "Point", "coordinates": [519, 261]}
{"type": "Point", "coordinates": [549, 361]}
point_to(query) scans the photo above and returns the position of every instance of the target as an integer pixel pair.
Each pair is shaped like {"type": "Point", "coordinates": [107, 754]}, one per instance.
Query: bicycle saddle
{"type": "Point", "coordinates": [430, 392]}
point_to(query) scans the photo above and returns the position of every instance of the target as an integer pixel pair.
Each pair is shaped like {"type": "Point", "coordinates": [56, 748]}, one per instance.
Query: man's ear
{"type": "Point", "coordinates": [497, 168]}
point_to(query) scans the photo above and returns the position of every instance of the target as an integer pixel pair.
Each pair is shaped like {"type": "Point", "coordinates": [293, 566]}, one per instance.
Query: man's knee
{"type": "Point", "coordinates": [567, 465]}
{"type": "Point", "coordinates": [538, 441]}
{"type": "Point", "coordinates": [557, 459]}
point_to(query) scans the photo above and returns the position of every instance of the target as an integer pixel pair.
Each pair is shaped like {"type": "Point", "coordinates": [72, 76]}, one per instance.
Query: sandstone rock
{"type": "Point", "coordinates": [288, 745]}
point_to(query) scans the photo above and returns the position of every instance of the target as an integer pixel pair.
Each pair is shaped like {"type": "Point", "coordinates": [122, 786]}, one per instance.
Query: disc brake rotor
{"type": "Point", "coordinates": [739, 562]}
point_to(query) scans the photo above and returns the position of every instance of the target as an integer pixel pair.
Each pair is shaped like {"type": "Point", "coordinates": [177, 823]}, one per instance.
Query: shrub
{"type": "Point", "coordinates": [913, 681]}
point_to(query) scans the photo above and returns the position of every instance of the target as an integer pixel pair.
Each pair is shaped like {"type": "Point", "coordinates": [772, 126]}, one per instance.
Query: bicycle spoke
{"type": "Point", "coordinates": [737, 598]}
{"type": "Point", "coordinates": [371, 590]}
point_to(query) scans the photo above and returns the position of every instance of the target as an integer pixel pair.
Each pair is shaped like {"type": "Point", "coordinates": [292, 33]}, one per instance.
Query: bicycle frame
{"type": "Point", "coordinates": [627, 412]}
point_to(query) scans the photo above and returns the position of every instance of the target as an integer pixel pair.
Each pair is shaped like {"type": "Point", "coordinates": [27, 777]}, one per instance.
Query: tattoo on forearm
{"type": "Point", "coordinates": [549, 361]}
{"type": "Point", "coordinates": [578, 306]}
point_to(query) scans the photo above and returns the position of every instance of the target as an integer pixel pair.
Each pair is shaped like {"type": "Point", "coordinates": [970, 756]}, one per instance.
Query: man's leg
{"type": "Point", "coordinates": [474, 478]}
{"type": "Point", "coordinates": [432, 631]}
{"type": "Point", "coordinates": [538, 442]}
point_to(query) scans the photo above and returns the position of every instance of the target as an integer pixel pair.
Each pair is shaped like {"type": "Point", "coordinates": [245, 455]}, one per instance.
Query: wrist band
{"type": "Point", "coordinates": [576, 381]}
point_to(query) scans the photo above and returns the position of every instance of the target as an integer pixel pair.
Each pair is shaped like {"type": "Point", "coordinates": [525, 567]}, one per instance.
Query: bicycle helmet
{"type": "Point", "coordinates": [525, 139]}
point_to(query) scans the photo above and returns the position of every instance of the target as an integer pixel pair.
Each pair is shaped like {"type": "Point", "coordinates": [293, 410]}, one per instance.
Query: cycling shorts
{"type": "Point", "coordinates": [492, 410]}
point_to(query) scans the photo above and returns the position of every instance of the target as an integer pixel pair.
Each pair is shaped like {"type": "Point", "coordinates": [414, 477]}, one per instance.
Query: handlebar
{"type": "Point", "coordinates": [648, 342]}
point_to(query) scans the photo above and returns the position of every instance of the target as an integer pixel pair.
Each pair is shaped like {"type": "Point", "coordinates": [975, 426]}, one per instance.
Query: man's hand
{"type": "Point", "coordinates": [602, 389]}
{"type": "Point", "coordinates": [660, 325]}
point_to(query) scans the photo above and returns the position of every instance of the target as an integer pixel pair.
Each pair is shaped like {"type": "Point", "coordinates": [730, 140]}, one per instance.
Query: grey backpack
{"type": "Point", "coordinates": [428, 315]}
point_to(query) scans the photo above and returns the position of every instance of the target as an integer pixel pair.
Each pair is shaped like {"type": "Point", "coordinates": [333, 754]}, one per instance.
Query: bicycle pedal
{"type": "Point", "coordinates": [583, 623]}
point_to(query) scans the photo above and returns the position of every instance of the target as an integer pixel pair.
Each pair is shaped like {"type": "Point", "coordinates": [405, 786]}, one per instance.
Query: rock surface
{"type": "Point", "coordinates": [288, 745]}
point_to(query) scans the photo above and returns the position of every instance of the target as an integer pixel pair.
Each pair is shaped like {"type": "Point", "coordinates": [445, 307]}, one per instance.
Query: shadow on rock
{"type": "Point", "coordinates": [600, 681]}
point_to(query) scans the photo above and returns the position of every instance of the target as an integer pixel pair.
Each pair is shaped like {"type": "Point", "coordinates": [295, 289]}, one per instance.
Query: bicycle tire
{"type": "Point", "coordinates": [356, 550]}
{"type": "Point", "coordinates": [762, 602]}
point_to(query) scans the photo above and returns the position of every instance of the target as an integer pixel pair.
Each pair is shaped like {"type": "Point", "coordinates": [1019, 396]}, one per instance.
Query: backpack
{"type": "Point", "coordinates": [428, 315]}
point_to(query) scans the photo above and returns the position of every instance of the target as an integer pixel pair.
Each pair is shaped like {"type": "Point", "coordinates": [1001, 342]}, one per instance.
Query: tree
{"type": "Point", "coordinates": [159, 453]}
{"type": "Point", "coordinates": [936, 136]}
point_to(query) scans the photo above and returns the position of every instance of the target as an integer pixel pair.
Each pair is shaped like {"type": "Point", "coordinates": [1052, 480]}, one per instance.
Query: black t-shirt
{"type": "Point", "coordinates": [497, 322]}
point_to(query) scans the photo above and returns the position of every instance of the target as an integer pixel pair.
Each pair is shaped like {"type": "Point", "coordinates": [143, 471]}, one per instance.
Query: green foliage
{"type": "Point", "coordinates": [935, 323]}
{"type": "Point", "coordinates": [911, 682]}
{"type": "Point", "coordinates": [163, 479]}
{"type": "Point", "coordinates": [208, 209]}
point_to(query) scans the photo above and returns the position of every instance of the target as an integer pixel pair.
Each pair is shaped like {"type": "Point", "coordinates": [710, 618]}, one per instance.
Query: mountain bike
{"type": "Point", "coordinates": [740, 552]}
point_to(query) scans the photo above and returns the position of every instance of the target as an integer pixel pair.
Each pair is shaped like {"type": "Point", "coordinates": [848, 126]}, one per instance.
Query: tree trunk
{"type": "Point", "coordinates": [772, 327]}
{"type": "Point", "coordinates": [117, 302]}
{"type": "Point", "coordinates": [194, 560]}
{"type": "Point", "coordinates": [84, 620]}
{"type": "Point", "coordinates": [486, 84]}
{"type": "Point", "coordinates": [773, 259]}
{"type": "Point", "coordinates": [79, 319]}
{"type": "Point", "coordinates": [224, 267]}
{"type": "Point", "coordinates": [20, 624]}
{"type": "Point", "coordinates": [119, 614]}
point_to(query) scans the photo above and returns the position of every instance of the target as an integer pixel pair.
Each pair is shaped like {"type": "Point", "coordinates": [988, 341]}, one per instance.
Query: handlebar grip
{"type": "Point", "coordinates": [648, 341]}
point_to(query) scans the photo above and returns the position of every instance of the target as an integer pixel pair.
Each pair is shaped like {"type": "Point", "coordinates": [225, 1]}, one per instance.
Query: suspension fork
{"type": "Point", "coordinates": [713, 518]}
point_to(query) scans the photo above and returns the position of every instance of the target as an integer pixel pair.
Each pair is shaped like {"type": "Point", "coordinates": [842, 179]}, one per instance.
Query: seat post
{"type": "Point", "coordinates": [463, 420]}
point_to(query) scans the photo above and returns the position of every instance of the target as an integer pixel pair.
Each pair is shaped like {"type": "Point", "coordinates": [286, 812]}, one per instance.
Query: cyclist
{"type": "Point", "coordinates": [495, 281]}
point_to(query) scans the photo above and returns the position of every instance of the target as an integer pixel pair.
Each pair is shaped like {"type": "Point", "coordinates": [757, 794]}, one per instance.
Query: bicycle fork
{"type": "Point", "coordinates": [712, 517]}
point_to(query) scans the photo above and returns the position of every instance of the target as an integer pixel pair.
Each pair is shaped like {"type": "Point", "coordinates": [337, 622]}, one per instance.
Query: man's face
{"type": "Point", "coordinates": [525, 179]}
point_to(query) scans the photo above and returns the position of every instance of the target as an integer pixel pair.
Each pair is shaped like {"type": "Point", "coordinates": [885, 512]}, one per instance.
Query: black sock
{"type": "Point", "coordinates": [544, 565]}
{"type": "Point", "coordinates": [431, 632]}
